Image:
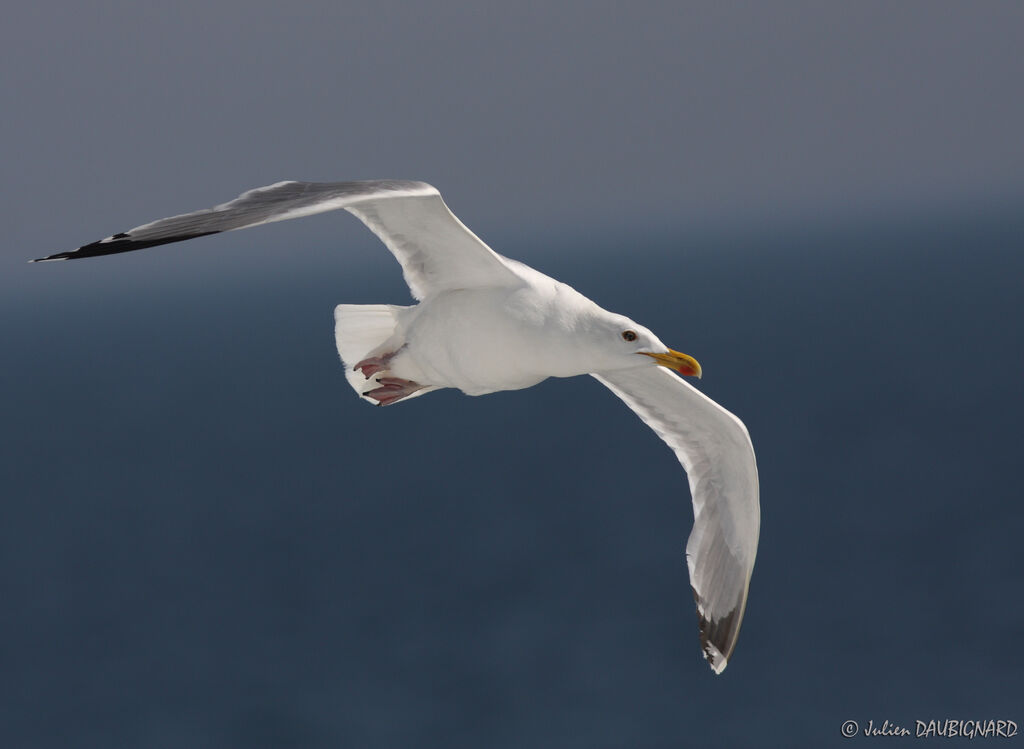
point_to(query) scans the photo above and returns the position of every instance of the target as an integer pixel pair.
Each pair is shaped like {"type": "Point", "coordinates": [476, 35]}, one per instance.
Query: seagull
{"type": "Point", "coordinates": [486, 323]}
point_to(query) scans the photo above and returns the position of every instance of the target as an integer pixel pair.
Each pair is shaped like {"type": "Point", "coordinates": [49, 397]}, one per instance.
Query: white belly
{"type": "Point", "coordinates": [479, 340]}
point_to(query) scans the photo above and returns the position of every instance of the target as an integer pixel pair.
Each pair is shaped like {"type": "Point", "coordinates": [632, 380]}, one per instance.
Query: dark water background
{"type": "Point", "coordinates": [206, 540]}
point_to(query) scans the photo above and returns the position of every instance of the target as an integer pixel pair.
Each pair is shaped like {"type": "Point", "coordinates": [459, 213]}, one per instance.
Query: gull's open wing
{"type": "Point", "coordinates": [436, 250]}
{"type": "Point", "coordinates": [715, 450]}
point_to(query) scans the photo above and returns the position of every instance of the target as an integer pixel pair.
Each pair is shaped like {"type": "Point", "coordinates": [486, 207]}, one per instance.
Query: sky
{"type": "Point", "coordinates": [207, 541]}
{"type": "Point", "coordinates": [528, 116]}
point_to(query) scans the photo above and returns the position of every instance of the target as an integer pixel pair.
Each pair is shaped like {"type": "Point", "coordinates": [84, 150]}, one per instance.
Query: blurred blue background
{"type": "Point", "coordinates": [207, 541]}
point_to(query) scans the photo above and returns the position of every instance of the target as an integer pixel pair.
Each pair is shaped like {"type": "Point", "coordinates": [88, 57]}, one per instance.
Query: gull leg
{"type": "Point", "coordinates": [374, 364]}
{"type": "Point", "coordinates": [392, 389]}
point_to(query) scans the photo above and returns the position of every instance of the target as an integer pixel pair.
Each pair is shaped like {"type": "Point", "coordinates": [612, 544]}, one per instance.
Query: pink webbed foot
{"type": "Point", "coordinates": [392, 389]}
{"type": "Point", "coordinates": [373, 365]}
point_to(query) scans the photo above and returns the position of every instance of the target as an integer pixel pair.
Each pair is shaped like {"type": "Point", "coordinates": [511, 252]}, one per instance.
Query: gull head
{"type": "Point", "coordinates": [620, 343]}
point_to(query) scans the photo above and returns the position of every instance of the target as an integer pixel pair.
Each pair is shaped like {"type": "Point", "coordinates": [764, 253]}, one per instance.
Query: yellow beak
{"type": "Point", "coordinates": [681, 363]}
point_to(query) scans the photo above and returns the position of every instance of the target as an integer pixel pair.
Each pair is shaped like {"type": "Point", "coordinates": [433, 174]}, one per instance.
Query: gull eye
{"type": "Point", "coordinates": [629, 335]}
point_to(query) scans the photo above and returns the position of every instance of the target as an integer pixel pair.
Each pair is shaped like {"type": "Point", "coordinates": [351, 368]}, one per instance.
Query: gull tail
{"type": "Point", "coordinates": [362, 331]}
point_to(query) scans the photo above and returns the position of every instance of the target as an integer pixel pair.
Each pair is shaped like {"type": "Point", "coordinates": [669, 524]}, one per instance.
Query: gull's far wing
{"type": "Point", "coordinates": [715, 450]}
{"type": "Point", "coordinates": [436, 250]}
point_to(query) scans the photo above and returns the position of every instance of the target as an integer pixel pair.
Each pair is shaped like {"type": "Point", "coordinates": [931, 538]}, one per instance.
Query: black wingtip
{"type": "Point", "coordinates": [717, 636]}
{"type": "Point", "coordinates": [118, 243]}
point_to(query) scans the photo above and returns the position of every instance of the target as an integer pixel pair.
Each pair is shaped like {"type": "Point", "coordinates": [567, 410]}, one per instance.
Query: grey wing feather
{"type": "Point", "coordinates": [435, 249]}
{"type": "Point", "coordinates": [715, 450]}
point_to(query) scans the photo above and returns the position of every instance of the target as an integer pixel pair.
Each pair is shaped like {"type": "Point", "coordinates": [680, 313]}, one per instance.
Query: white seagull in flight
{"type": "Point", "coordinates": [486, 323]}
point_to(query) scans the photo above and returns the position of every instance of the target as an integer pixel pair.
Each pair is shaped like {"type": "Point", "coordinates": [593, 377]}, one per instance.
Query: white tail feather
{"type": "Point", "coordinates": [359, 330]}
